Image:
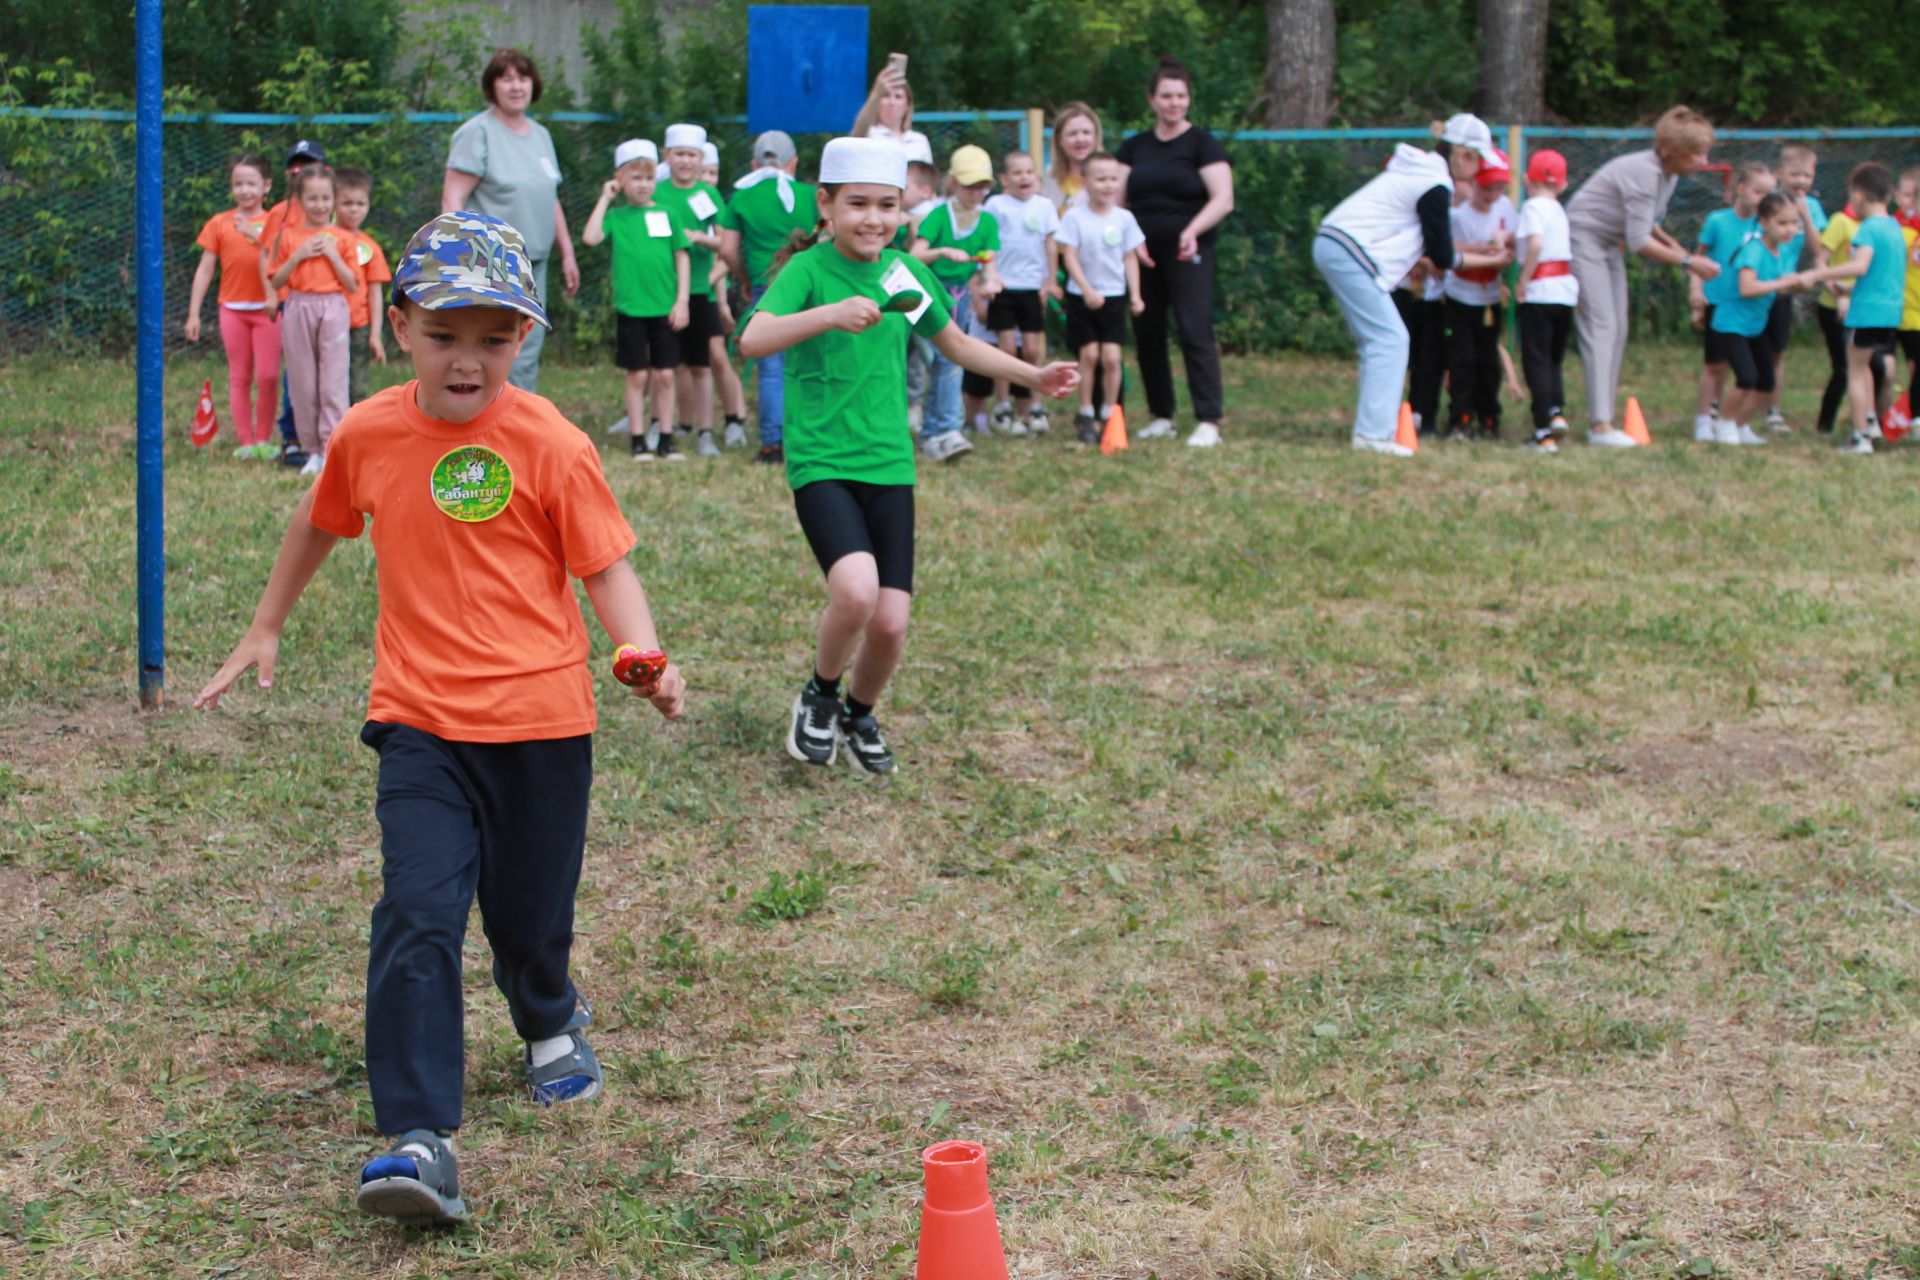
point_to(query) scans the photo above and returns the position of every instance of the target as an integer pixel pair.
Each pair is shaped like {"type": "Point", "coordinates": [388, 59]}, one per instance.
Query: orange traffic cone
{"type": "Point", "coordinates": [206, 424]}
{"type": "Point", "coordinates": [1404, 435]}
{"type": "Point", "coordinates": [959, 1236]}
{"type": "Point", "coordinates": [1636, 423]}
{"type": "Point", "coordinates": [1113, 436]}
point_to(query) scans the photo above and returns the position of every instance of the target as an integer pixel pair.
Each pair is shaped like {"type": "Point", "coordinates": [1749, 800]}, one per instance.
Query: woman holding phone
{"type": "Point", "coordinates": [889, 109]}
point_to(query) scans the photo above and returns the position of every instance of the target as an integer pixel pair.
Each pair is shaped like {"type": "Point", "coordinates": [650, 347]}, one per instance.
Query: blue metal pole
{"type": "Point", "coordinates": [150, 492]}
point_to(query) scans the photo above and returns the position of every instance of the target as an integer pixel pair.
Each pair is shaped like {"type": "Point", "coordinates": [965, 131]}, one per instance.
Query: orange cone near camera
{"type": "Point", "coordinates": [1404, 434]}
{"type": "Point", "coordinates": [1113, 436]}
{"type": "Point", "coordinates": [1635, 424]}
{"type": "Point", "coordinates": [959, 1236]}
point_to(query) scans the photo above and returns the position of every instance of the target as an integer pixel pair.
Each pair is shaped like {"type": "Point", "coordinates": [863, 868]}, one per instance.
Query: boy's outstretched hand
{"type": "Point", "coordinates": [1057, 379]}
{"type": "Point", "coordinates": [256, 649]}
{"type": "Point", "coordinates": [669, 697]}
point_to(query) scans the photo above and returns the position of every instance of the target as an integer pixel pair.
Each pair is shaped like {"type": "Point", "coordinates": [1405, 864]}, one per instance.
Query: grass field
{"type": "Point", "coordinates": [1303, 865]}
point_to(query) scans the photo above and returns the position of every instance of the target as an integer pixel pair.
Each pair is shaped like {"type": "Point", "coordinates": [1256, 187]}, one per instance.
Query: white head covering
{"type": "Point", "coordinates": [686, 135]}
{"type": "Point", "coordinates": [634, 149]}
{"type": "Point", "coordinates": [917, 148]}
{"type": "Point", "coordinates": [1469, 130]}
{"type": "Point", "coordinates": [877, 160]}
{"type": "Point", "coordinates": [709, 154]}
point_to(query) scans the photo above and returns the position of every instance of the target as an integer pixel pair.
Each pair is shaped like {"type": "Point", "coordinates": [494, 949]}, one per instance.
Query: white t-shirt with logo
{"type": "Point", "coordinates": [1473, 226]}
{"type": "Point", "coordinates": [1024, 228]}
{"type": "Point", "coordinates": [1542, 216]}
{"type": "Point", "coordinates": [1103, 241]}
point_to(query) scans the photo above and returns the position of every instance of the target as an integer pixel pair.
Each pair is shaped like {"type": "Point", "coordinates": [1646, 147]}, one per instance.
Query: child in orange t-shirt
{"type": "Point", "coordinates": [483, 500]}
{"type": "Point", "coordinates": [353, 191]}
{"type": "Point", "coordinates": [311, 266]}
{"type": "Point", "coordinates": [231, 242]}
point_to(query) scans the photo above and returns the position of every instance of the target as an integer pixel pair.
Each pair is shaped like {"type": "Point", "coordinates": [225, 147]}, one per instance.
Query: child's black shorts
{"type": "Point", "coordinates": [703, 321]}
{"type": "Point", "coordinates": [1750, 360]}
{"type": "Point", "coordinates": [840, 517]}
{"type": "Point", "coordinates": [1020, 309]}
{"type": "Point", "coordinates": [1873, 339]}
{"type": "Point", "coordinates": [1086, 325]}
{"type": "Point", "coordinates": [1710, 352]}
{"type": "Point", "coordinates": [1780, 322]}
{"type": "Point", "coordinates": [645, 342]}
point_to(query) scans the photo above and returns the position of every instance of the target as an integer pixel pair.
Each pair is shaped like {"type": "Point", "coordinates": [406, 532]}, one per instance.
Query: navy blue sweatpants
{"type": "Point", "coordinates": [505, 820]}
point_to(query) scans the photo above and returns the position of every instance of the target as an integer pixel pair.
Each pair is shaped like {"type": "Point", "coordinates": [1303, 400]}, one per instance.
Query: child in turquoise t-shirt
{"type": "Point", "coordinates": [1759, 273]}
{"type": "Point", "coordinates": [841, 310]}
{"type": "Point", "coordinates": [651, 286]}
{"type": "Point", "coordinates": [959, 240]}
{"type": "Point", "coordinates": [1795, 172]}
{"type": "Point", "coordinates": [1878, 266]}
{"type": "Point", "coordinates": [1721, 236]}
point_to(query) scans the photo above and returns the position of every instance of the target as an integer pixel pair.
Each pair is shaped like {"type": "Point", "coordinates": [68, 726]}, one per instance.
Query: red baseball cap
{"type": "Point", "coordinates": [1546, 166]}
{"type": "Point", "coordinates": [1497, 172]}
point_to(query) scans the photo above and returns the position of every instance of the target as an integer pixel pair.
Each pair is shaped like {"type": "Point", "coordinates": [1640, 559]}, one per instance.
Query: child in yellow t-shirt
{"type": "Point", "coordinates": [1907, 211]}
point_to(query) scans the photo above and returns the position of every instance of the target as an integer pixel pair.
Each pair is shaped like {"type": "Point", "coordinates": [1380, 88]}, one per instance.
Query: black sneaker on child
{"type": "Point", "coordinates": [668, 451]}
{"type": "Point", "coordinates": [640, 452]}
{"type": "Point", "coordinates": [866, 749]}
{"type": "Point", "coordinates": [810, 733]}
{"type": "Point", "coordinates": [1086, 428]}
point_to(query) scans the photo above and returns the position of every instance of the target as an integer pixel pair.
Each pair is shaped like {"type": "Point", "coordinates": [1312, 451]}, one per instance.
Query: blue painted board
{"type": "Point", "coordinates": [806, 67]}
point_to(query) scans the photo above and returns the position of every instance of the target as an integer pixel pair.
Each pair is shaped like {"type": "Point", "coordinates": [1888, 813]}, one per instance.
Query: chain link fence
{"type": "Point", "coordinates": [66, 207]}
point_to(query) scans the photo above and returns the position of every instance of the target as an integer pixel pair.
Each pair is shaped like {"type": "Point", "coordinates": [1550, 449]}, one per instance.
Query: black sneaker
{"type": "Point", "coordinates": [1086, 428]}
{"type": "Point", "coordinates": [640, 451]}
{"type": "Point", "coordinates": [292, 455]}
{"type": "Point", "coordinates": [866, 749]}
{"type": "Point", "coordinates": [772, 454]}
{"type": "Point", "coordinates": [810, 735]}
{"type": "Point", "coordinates": [668, 451]}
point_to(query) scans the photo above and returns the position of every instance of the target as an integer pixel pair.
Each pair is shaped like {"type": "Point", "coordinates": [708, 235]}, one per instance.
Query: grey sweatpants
{"type": "Point", "coordinates": [1601, 320]}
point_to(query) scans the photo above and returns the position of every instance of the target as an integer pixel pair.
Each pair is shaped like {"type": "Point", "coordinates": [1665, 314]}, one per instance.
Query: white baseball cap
{"type": "Point", "coordinates": [1469, 130]}
{"type": "Point", "coordinates": [686, 135]}
{"type": "Point", "coordinates": [876, 160]}
{"type": "Point", "coordinates": [634, 149]}
{"type": "Point", "coordinates": [709, 154]}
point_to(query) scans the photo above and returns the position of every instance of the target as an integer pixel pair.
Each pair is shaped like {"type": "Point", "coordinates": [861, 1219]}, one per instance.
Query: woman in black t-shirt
{"type": "Point", "coordinates": [1179, 186]}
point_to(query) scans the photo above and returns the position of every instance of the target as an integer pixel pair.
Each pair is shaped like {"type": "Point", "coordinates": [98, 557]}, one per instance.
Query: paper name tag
{"type": "Point", "coordinates": [658, 223]}
{"type": "Point", "coordinates": [900, 279]}
{"type": "Point", "coordinates": [1033, 222]}
{"type": "Point", "coordinates": [553, 170]}
{"type": "Point", "coordinates": [1110, 235]}
{"type": "Point", "coordinates": [703, 206]}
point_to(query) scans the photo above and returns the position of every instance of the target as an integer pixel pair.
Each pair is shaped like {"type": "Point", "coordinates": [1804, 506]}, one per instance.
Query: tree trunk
{"type": "Point", "coordinates": [1300, 59]}
{"type": "Point", "coordinates": [1513, 61]}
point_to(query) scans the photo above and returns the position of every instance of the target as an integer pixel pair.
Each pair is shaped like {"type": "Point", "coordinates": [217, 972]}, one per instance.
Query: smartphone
{"type": "Point", "coordinates": [897, 64]}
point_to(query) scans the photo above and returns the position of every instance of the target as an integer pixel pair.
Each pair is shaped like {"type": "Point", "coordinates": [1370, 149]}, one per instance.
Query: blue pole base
{"type": "Point", "coordinates": [153, 688]}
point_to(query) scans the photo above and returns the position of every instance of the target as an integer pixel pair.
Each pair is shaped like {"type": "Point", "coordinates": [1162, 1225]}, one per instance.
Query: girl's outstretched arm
{"type": "Point", "coordinates": [302, 552]}
{"type": "Point", "coordinates": [767, 334]}
{"type": "Point", "coordinates": [1055, 379]}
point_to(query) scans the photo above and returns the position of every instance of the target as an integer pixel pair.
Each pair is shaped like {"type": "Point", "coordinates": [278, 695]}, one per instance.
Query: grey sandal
{"type": "Point", "coordinates": [572, 1077]}
{"type": "Point", "coordinates": [411, 1188]}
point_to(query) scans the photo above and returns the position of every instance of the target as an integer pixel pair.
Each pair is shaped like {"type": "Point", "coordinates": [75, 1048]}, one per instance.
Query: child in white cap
{"type": "Point", "coordinates": [650, 289]}
{"type": "Point", "coordinates": [698, 206]}
{"type": "Point", "coordinates": [841, 310]}
{"type": "Point", "coordinates": [726, 380]}
{"type": "Point", "coordinates": [959, 241]}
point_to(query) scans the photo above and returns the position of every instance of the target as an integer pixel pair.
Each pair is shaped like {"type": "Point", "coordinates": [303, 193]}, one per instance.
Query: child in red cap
{"type": "Point", "coordinates": [1484, 224]}
{"type": "Point", "coordinates": [1546, 292]}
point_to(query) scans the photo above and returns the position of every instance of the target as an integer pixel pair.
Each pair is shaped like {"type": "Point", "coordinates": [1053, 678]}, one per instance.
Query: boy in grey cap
{"type": "Point", "coordinates": [766, 208]}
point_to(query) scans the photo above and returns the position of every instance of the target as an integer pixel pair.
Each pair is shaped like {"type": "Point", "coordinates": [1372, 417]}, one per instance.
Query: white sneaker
{"type": "Point", "coordinates": [1725, 432]}
{"type": "Point", "coordinates": [314, 463]}
{"type": "Point", "coordinates": [1612, 439]}
{"type": "Point", "coordinates": [1391, 448]}
{"type": "Point", "coordinates": [1015, 427]}
{"type": "Point", "coordinates": [735, 436]}
{"type": "Point", "coordinates": [1205, 436]}
{"type": "Point", "coordinates": [1747, 435]}
{"type": "Point", "coordinates": [619, 428]}
{"type": "Point", "coordinates": [1777, 422]}
{"type": "Point", "coordinates": [1703, 429]}
{"type": "Point", "coordinates": [1155, 430]}
{"type": "Point", "coordinates": [946, 446]}
{"type": "Point", "coordinates": [1037, 420]}
{"type": "Point", "coordinates": [1858, 444]}
{"type": "Point", "coordinates": [1002, 419]}
{"type": "Point", "coordinates": [1873, 429]}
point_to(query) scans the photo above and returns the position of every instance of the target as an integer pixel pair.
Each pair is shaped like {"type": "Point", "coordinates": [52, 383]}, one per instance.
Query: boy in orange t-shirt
{"type": "Point", "coordinates": [483, 500]}
{"type": "Point", "coordinates": [352, 193]}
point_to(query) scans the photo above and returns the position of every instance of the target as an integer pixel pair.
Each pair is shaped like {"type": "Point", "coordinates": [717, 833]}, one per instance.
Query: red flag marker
{"type": "Point", "coordinates": [206, 424]}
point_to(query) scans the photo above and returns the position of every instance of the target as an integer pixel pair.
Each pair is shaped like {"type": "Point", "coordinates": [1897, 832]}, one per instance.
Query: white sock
{"type": "Point", "coordinates": [425, 1152]}
{"type": "Point", "coordinates": [549, 1050]}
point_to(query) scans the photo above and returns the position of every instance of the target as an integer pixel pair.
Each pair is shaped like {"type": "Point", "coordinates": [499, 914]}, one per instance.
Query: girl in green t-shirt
{"type": "Point", "coordinates": [958, 240]}
{"type": "Point", "coordinates": [841, 310]}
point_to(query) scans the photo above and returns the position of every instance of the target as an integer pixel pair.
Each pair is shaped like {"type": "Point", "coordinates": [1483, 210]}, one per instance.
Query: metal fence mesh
{"type": "Point", "coordinates": [66, 208]}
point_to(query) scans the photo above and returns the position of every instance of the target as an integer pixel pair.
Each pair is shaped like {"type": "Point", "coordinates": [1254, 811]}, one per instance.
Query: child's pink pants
{"type": "Point", "coordinates": [313, 344]}
{"type": "Point", "coordinates": [253, 372]}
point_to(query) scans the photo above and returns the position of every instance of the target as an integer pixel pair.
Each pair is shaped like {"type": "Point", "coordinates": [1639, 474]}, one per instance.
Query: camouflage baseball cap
{"type": "Point", "coordinates": [468, 259]}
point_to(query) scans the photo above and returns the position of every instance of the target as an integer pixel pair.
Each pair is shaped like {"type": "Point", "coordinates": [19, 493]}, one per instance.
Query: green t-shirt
{"type": "Point", "coordinates": [699, 207]}
{"type": "Point", "coordinates": [763, 219]}
{"type": "Point", "coordinates": [644, 241]}
{"type": "Point", "coordinates": [937, 230]}
{"type": "Point", "coordinates": [847, 392]}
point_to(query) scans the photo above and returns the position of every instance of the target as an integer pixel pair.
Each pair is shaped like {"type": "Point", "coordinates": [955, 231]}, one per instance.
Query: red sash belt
{"type": "Point", "coordinates": [1479, 275]}
{"type": "Point", "coordinates": [1548, 270]}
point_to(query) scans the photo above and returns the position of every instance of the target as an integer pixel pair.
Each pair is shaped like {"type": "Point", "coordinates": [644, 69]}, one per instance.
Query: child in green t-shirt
{"type": "Point", "coordinates": [650, 289]}
{"type": "Point", "coordinates": [958, 240]}
{"type": "Point", "coordinates": [841, 311]}
{"type": "Point", "coordinates": [767, 210]}
{"type": "Point", "coordinates": [698, 205]}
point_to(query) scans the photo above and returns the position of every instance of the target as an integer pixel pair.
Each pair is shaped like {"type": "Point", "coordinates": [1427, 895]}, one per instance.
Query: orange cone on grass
{"type": "Point", "coordinates": [959, 1235]}
{"type": "Point", "coordinates": [1113, 436]}
{"type": "Point", "coordinates": [206, 424]}
{"type": "Point", "coordinates": [1404, 434]}
{"type": "Point", "coordinates": [1636, 423]}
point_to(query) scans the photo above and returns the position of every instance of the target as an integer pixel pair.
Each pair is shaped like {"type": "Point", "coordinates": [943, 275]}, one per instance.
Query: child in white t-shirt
{"type": "Point", "coordinates": [1028, 259]}
{"type": "Point", "coordinates": [922, 180]}
{"type": "Point", "coordinates": [1100, 248]}
{"type": "Point", "coordinates": [1546, 292]}
{"type": "Point", "coordinates": [1484, 224]}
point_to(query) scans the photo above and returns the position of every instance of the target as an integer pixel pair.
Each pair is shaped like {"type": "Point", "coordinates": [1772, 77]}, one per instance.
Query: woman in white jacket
{"type": "Point", "coordinates": [1373, 238]}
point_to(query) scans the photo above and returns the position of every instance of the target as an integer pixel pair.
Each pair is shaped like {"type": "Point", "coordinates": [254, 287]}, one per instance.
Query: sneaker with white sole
{"type": "Point", "coordinates": [1002, 418]}
{"type": "Point", "coordinates": [1373, 444]}
{"type": "Point", "coordinates": [1544, 441]}
{"type": "Point", "coordinates": [866, 749]}
{"type": "Point", "coordinates": [575, 1075]}
{"type": "Point", "coordinates": [313, 464]}
{"type": "Point", "coordinates": [416, 1182]}
{"type": "Point", "coordinates": [735, 436]}
{"type": "Point", "coordinates": [1086, 427]}
{"type": "Point", "coordinates": [1037, 420]}
{"type": "Point", "coordinates": [619, 427]}
{"type": "Point", "coordinates": [1205, 436]}
{"type": "Point", "coordinates": [668, 450]}
{"type": "Point", "coordinates": [1725, 432]}
{"type": "Point", "coordinates": [1158, 429]}
{"type": "Point", "coordinates": [1858, 444]}
{"type": "Point", "coordinates": [638, 449]}
{"type": "Point", "coordinates": [705, 446]}
{"type": "Point", "coordinates": [1744, 434]}
{"type": "Point", "coordinates": [1703, 429]}
{"type": "Point", "coordinates": [812, 731]}
{"type": "Point", "coordinates": [946, 446]}
{"type": "Point", "coordinates": [1777, 422]}
{"type": "Point", "coordinates": [1614, 438]}
{"type": "Point", "coordinates": [1873, 429]}
{"type": "Point", "coordinates": [1015, 429]}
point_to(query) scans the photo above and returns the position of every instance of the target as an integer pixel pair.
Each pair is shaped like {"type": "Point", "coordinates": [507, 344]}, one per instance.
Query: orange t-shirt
{"type": "Point", "coordinates": [239, 256]}
{"type": "Point", "coordinates": [316, 274]}
{"type": "Point", "coordinates": [364, 256]}
{"type": "Point", "coordinates": [476, 526]}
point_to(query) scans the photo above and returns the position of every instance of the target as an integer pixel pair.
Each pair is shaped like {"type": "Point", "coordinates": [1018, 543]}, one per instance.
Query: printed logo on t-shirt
{"type": "Point", "coordinates": [1110, 236]}
{"type": "Point", "coordinates": [472, 484]}
{"type": "Point", "coordinates": [703, 206]}
{"type": "Point", "coordinates": [364, 253]}
{"type": "Point", "coordinates": [658, 224]}
{"type": "Point", "coordinates": [1033, 222]}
